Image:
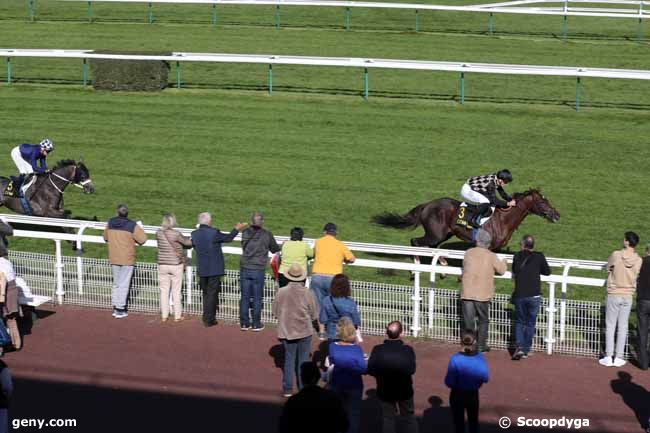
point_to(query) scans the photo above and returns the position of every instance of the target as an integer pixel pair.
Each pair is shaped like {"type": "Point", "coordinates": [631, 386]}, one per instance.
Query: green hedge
{"type": "Point", "coordinates": [132, 75]}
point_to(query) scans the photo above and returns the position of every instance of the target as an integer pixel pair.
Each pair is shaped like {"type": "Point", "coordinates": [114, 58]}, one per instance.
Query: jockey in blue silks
{"type": "Point", "coordinates": [30, 158]}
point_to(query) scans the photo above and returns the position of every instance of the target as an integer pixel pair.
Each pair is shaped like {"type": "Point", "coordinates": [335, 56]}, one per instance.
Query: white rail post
{"type": "Point", "coordinates": [432, 287]}
{"type": "Point", "coordinates": [80, 265]}
{"type": "Point", "coordinates": [415, 327]}
{"type": "Point", "coordinates": [59, 273]}
{"type": "Point", "coordinates": [565, 274]}
{"type": "Point", "coordinates": [550, 339]}
{"type": "Point", "coordinates": [188, 278]}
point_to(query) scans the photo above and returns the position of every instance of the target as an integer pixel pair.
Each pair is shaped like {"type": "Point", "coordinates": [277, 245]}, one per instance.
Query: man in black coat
{"type": "Point", "coordinates": [313, 409]}
{"type": "Point", "coordinates": [393, 365]}
{"type": "Point", "coordinates": [210, 266]}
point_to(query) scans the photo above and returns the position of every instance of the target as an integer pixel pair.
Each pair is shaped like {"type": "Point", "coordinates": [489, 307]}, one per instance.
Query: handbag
{"type": "Point", "coordinates": [185, 261]}
{"type": "Point", "coordinates": [358, 337]}
{"type": "Point", "coordinates": [5, 338]}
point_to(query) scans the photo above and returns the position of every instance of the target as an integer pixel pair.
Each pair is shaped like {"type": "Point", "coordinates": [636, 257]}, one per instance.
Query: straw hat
{"type": "Point", "coordinates": [295, 273]}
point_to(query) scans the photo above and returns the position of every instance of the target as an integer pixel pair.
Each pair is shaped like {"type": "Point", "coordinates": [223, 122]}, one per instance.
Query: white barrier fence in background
{"type": "Point", "coordinates": [427, 311]}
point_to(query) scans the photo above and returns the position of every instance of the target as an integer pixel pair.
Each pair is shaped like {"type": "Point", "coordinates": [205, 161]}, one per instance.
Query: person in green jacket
{"type": "Point", "coordinates": [294, 251]}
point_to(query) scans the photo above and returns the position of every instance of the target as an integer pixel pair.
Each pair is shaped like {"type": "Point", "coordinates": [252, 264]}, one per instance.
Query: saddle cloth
{"type": "Point", "coordinates": [467, 213]}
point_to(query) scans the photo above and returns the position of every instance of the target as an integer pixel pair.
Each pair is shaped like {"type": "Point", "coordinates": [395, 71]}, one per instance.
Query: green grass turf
{"type": "Point", "coordinates": [315, 151]}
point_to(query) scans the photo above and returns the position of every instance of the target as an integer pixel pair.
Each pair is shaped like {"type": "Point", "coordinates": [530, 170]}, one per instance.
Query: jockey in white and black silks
{"type": "Point", "coordinates": [30, 158]}
{"type": "Point", "coordinates": [482, 191]}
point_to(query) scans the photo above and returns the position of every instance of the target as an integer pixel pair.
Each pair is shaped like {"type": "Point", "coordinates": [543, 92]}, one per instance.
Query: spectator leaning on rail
{"type": "Point", "coordinates": [393, 365]}
{"type": "Point", "coordinates": [643, 309]}
{"type": "Point", "coordinates": [479, 266]}
{"type": "Point", "coordinates": [349, 366]}
{"type": "Point", "coordinates": [313, 409]}
{"type": "Point", "coordinates": [623, 266]}
{"type": "Point", "coordinates": [527, 266]}
{"type": "Point", "coordinates": [329, 255]}
{"type": "Point", "coordinates": [296, 309]}
{"type": "Point", "coordinates": [122, 234]}
{"type": "Point", "coordinates": [5, 230]}
{"type": "Point", "coordinates": [171, 262]}
{"type": "Point", "coordinates": [294, 251]}
{"type": "Point", "coordinates": [256, 242]}
{"type": "Point", "coordinates": [210, 266]}
{"type": "Point", "coordinates": [338, 304]}
{"type": "Point", "coordinates": [466, 373]}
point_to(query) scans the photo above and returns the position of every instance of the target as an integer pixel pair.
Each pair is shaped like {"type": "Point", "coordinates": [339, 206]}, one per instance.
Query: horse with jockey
{"type": "Point", "coordinates": [30, 160]}
{"type": "Point", "coordinates": [481, 191]}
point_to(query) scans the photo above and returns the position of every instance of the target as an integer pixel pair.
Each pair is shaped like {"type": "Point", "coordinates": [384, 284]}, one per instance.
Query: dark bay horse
{"type": "Point", "coordinates": [45, 196]}
{"type": "Point", "coordinates": [438, 218]}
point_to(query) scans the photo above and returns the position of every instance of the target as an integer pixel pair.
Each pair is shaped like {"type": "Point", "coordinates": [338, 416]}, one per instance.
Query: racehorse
{"type": "Point", "coordinates": [45, 196]}
{"type": "Point", "coordinates": [438, 217]}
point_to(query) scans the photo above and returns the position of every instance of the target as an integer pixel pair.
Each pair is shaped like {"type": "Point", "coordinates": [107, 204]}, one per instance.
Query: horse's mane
{"type": "Point", "coordinates": [64, 163]}
{"type": "Point", "coordinates": [520, 195]}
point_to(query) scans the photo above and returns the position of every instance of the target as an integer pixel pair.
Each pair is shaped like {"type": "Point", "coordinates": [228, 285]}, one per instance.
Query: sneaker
{"type": "Point", "coordinates": [211, 323]}
{"type": "Point", "coordinates": [525, 356]}
{"type": "Point", "coordinates": [120, 314]}
{"type": "Point", "coordinates": [257, 328]}
{"type": "Point", "coordinates": [114, 312]}
{"type": "Point", "coordinates": [606, 361]}
{"type": "Point", "coordinates": [245, 328]}
{"type": "Point", "coordinates": [286, 394]}
{"type": "Point", "coordinates": [618, 362]}
{"type": "Point", "coordinates": [484, 349]}
{"type": "Point", "coordinates": [518, 355]}
{"type": "Point", "coordinates": [322, 336]}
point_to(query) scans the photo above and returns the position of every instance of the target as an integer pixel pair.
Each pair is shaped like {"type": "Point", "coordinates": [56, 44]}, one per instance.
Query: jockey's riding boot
{"type": "Point", "coordinates": [482, 211]}
{"type": "Point", "coordinates": [18, 184]}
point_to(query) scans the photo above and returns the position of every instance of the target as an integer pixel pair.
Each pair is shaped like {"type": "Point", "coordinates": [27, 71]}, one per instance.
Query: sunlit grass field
{"type": "Point", "coordinates": [315, 151]}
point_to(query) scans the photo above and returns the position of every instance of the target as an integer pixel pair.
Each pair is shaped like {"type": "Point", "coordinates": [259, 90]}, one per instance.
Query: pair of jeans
{"type": "Point", "coordinates": [351, 399]}
{"type": "Point", "coordinates": [526, 310]}
{"type": "Point", "coordinates": [406, 412]}
{"type": "Point", "coordinates": [121, 283]}
{"type": "Point", "coordinates": [296, 352]}
{"type": "Point", "coordinates": [617, 313]}
{"type": "Point", "coordinates": [643, 321]}
{"type": "Point", "coordinates": [251, 283]}
{"type": "Point", "coordinates": [320, 284]}
{"type": "Point", "coordinates": [210, 288]}
{"type": "Point", "coordinates": [170, 278]}
{"type": "Point", "coordinates": [461, 401]}
{"type": "Point", "coordinates": [473, 310]}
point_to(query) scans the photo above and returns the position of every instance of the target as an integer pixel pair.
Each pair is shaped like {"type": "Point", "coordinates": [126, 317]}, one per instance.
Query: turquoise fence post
{"type": "Point", "coordinates": [417, 21]}
{"type": "Point", "coordinates": [31, 10]}
{"type": "Point", "coordinates": [365, 83]}
{"type": "Point", "coordinates": [150, 13]}
{"type": "Point", "coordinates": [178, 74]}
{"type": "Point", "coordinates": [577, 93]}
{"type": "Point", "coordinates": [214, 14]}
{"type": "Point", "coordinates": [277, 16]}
{"type": "Point", "coordinates": [347, 19]}
{"type": "Point", "coordinates": [90, 12]}
{"type": "Point", "coordinates": [84, 72]}
{"type": "Point", "coordinates": [270, 79]}
{"type": "Point", "coordinates": [491, 23]}
{"type": "Point", "coordinates": [565, 27]}
{"type": "Point", "coordinates": [8, 70]}
{"type": "Point", "coordinates": [462, 88]}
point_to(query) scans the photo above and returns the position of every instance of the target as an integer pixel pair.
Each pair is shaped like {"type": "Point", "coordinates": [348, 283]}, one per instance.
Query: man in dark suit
{"type": "Point", "coordinates": [313, 409]}
{"type": "Point", "coordinates": [210, 267]}
{"type": "Point", "coordinates": [393, 365]}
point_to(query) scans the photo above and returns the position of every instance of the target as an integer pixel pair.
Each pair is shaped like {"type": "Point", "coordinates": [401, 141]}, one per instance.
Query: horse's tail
{"type": "Point", "coordinates": [397, 221]}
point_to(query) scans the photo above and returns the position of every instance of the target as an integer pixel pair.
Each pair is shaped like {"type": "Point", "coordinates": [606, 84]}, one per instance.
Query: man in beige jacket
{"type": "Point", "coordinates": [623, 267]}
{"type": "Point", "coordinates": [479, 267]}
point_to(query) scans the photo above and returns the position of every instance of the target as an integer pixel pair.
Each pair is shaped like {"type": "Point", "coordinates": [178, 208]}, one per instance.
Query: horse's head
{"type": "Point", "coordinates": [538, 204]}
{"type": "Point", "coordinates": [82, 178]}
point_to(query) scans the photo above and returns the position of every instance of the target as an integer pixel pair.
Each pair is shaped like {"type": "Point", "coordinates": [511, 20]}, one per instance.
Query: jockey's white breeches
{"type": "Point", "coordinates": [472, 196]}
{"type": "Point", "coordinates": [24, 167]}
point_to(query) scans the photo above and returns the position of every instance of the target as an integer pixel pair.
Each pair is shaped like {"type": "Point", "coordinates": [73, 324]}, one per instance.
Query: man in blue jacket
{"type": "Point", "coordinates": [30, 158]}
{"type": "Point", "coordinates": [210, 267]}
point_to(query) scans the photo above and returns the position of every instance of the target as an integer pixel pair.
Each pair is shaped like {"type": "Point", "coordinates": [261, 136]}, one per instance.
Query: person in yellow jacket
{"type": "Point", "coordinates": [623, 267]}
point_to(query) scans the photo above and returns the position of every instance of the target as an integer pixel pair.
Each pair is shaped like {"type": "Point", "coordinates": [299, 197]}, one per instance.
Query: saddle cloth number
{"type": "Point", "coordinates": [9, 189]}
{"type": "Point", "coordinates": [465, 214]}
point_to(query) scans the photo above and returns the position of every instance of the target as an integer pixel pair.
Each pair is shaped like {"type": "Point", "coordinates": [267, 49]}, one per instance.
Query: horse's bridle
{"type": "Point", "coordinates": [77, 184]}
